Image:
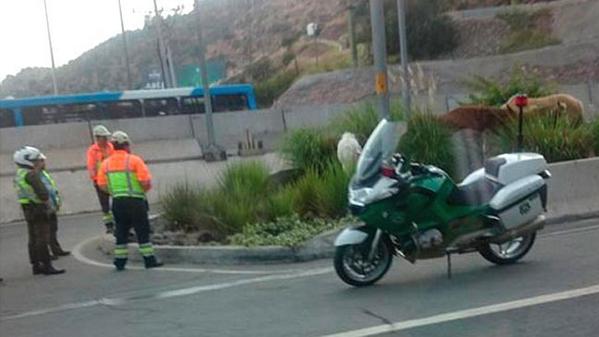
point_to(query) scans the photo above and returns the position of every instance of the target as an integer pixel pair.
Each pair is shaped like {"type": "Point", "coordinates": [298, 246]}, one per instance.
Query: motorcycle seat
{"type": "Point", "coordinates": [478, 192]}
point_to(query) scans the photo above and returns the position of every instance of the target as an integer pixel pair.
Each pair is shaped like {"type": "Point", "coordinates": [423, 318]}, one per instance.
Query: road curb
{"type": "Point", "coordinates": [320, 247]}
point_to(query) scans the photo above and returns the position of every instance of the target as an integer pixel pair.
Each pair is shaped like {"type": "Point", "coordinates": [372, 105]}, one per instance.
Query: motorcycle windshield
{"type": "Point", "coordinates": [381, 145]}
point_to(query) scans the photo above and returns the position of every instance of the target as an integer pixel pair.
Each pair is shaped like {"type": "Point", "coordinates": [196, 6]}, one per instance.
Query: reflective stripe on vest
{"type": "Point", "coordinates": [123, 183]}
{"type": "Point", "coordinates": [52, 189]}
{"type": "Point", "coordinates": [25, 192]}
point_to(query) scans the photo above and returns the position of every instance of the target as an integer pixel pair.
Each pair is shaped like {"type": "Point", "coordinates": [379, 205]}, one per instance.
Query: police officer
{"type": "Point", "coordinates": [55, 202]}
{"type": "Point", "coordinates": [34, 199]}
{"type": "Point", "coordinates": [126, 178]}
{"type": "Point", "coordinates": [96, 154]}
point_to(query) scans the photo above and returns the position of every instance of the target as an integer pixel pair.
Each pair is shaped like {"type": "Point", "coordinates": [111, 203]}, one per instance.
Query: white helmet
{"type": "Point", "coordinates": [27, 155]}
{"type": "Point", "coordinates": [120, 137]}
{"type": "Point", "coordinates": [101, 131]}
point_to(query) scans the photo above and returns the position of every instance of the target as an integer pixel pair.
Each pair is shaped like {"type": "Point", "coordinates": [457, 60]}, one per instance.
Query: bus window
{"type": "Point", "coordinates": [119, 110]}
{"type": "Point", "coordinates": [161, 107]}
{"type": "Point", "coordinates": [77, 112]}
{"type": "Point", "coordinates": [230, 103]}
{"type": "Point", "coordinates": [7, 119]}
{"type": "Point", "coordinates": [36, 115]}
{"type": "Point", "coordinates": [192, 105]}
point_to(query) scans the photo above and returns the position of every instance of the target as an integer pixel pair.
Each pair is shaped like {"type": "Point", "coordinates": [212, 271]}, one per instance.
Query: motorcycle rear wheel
{"type": "Point", "coordinates": [352, 265]}
{"type": "Point", "coordinates": [509, 252]}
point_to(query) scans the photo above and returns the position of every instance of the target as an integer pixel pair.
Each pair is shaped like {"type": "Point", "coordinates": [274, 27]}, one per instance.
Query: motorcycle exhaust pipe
{"type": "Point", "coordinates": [531, 227]}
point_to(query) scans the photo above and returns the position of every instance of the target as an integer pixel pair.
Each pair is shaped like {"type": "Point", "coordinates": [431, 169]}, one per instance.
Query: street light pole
{"type": "Point", "coordinates": [54, 85]}
{"type": "Point", "coordinates": [377, 20]}
{"type": "Point", "coordinates": [125, 47]}
{"type": "Point", "coordinates": [212, 152]}
{"type": "Point", "coordinates": [403, 46]}
{"type": "Point", "coordinates": [165, 80]}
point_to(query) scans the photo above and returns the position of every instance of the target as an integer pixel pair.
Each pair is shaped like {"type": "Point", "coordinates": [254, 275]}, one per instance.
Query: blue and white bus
{"type": "Point", "coordinates": [124, 104]}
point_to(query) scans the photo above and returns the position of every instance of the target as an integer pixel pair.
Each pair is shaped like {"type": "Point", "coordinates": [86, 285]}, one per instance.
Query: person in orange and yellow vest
{"type": "Point", "coordinates": [126, 178]}
{"type": "Point", "coordinates": [96, 154]}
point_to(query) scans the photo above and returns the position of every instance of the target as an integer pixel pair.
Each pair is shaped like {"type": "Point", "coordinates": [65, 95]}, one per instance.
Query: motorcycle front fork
{"type": "Point", "coordinates": [375, 243]}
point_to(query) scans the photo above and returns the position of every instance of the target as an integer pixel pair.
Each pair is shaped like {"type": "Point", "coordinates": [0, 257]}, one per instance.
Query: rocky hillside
{"type": "Point", "coordinates": [238, 33]}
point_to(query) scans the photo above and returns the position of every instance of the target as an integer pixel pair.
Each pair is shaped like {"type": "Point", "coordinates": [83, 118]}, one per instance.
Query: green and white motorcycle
{"type": "Point", "coordinates": [416, 211]}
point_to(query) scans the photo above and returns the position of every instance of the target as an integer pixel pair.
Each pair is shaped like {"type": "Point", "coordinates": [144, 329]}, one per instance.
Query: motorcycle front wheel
{"type": "Point", "coordinates": [508, 252]}
{"type": "Point", "coordinates": [354, 268]}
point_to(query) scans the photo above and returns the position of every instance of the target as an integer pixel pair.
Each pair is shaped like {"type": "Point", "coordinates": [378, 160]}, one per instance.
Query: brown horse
{"type": "Point", "coordinates": [476, 117]}
{"type": "Point", "coordinates": [557, 104]}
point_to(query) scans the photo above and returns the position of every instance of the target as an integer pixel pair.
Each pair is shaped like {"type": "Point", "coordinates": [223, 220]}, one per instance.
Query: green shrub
{"type": "Point", "coordinates": [308, 149]}
{"type": "Point", "coordinates": [430, 32]}
{"type": "Point", "coordinates": [260, 70]}
{"type": "Point", "coordinates": [245, 177]}
{"type": "Point", "coordinates": [362, 119]}
{"type": "Point", "coordinates": [331, 193]}
{"type": "Point", "coordinates": [428, 141]}
{"type": "Point", "coordinates": [594, 129]}
{"type": "Point", "coordinates": [491, 92]}
{"type": "Point", "coordinates": [270, 89]}
{"type": "Point", "coordinates": [555, 137]}
{"type": "Point", "coordinates": [288, 57]}
{"type": "Point", "coordinates": [188, 208]}
{"type": "Point", "coordinates": [182, 207]}
{"type": "Point", "coordinates": [305, 196]}
{"type": "Point", "coordinates": [524, 33]}
{"type": "Point", "coordinates": [525, 40]}
{"type": "Point", "coordinates": [290, 231]}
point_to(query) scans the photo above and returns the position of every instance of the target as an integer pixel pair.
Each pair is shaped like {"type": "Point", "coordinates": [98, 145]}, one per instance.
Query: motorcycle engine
{"type": "Point", "coordinates": [429, 239]}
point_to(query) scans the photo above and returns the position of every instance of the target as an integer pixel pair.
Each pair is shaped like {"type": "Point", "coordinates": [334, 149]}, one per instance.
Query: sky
{"type": "Point", "coordinates": [75, 25]}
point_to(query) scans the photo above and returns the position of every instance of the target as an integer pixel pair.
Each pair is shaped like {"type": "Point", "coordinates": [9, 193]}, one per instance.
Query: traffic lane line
{"type": "Point", "coordinates": [118, 301]}
{"type": "Point", "coordinates": [469, 313]}
{"type": "Point", "coordinates": [219, 286]}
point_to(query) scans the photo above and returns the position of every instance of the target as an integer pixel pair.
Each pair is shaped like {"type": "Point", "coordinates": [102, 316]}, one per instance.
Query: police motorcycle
{"type": "Point", "coordinates": [416, 211]}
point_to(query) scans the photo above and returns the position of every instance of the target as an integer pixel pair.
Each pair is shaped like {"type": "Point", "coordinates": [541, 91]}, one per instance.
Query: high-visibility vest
{"type": "Point", "coordinates": [25, 191]}
{"type": "Point", "coordinates": [52, 189]}
{"type": "Point", "coordinates": [123, 183]}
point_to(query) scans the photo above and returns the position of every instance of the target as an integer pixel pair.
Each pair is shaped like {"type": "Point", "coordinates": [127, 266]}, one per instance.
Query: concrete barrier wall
{"type": "Point", "coordinates": [53, 136]}
{"type": "Point", "coordinates": [573, 190]}
{"type": "Point", "coordinates": [574, 187]}
{"type": "Point", "coordinates": [79, 195]}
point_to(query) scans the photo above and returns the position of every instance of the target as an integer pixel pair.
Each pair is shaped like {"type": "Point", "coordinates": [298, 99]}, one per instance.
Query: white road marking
{"type": "Point", "coordinates": [166, 294]}
{"type": "Point", "coordinates": [570, 231]}
{"type": "Point", "coordinates": [78, 255]}
{"type": "Point", "coordinates": [469, 313]}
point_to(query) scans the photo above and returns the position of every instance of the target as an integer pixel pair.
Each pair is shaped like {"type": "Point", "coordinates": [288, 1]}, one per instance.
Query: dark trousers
{"type": "Point", "coordinates": [53, 241]}
{"type": "Point", "coordinates": [104, 199]}
{"type": "Point", "coordinates": [38, 229]}
{"type": "Point", "coordinates": [131, 213]}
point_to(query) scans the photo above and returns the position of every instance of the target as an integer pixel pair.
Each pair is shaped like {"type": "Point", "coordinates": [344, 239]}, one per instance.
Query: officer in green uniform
{"type": "Point", "coordinates": [34, 199]}
{"type": "Point", "coordinates": [54, 202]}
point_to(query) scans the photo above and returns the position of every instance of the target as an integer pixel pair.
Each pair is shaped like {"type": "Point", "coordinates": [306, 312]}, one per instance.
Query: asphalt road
{"type": "Point", "coordinates": [553, 292]}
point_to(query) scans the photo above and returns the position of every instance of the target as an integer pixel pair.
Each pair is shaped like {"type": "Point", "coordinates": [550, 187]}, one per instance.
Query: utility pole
{"type": "Point", "coordinates": [352, 34]}
{"type": "Point", "coordinates": [161, 48]}
{"type": "Point", "coordinates": [129, 86]}
{"type": "Point", "coordinates": [377, 20]}
{"type": "Point", "coordinates": [212, 152]}
{"type": "Point", "coordinates": [403, 46]}
{"type": "Point", "coordinates": [54, 85]}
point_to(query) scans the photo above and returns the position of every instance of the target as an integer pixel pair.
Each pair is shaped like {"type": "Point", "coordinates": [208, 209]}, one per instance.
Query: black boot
{"type": "Point", "coordinates": [120, 264]}
{"type": "Point", "coordinates": [48, 269]}
{"type": "Point", "coordinates": [37, 268]}
{"type": "Point", "coordinates": [151, 262]}
{"type": "Point", "coordinates": [61, 253]}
